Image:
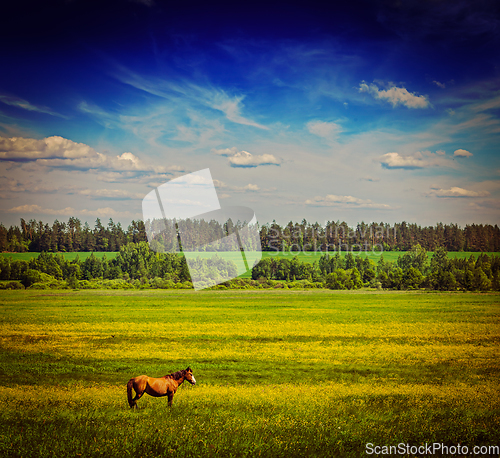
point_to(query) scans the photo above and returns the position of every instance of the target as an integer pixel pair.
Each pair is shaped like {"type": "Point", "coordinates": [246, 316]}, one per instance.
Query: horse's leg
{"type": "Point", "coordinates": [170, 398]}
{"type": "Point", "coordinates": [139, 389]}
{"type": "Point", "coordinates": [138, 396]}
{"type": "Point", "coordinates": [130, 387]}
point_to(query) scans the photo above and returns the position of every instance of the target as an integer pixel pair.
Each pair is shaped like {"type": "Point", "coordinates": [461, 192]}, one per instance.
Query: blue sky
{"type": "Point", "coordinates": [360, 111]}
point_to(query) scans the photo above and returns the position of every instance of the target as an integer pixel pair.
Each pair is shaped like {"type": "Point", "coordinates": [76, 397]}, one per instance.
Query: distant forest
{"type": "Point", "coordinates": [75, 236]}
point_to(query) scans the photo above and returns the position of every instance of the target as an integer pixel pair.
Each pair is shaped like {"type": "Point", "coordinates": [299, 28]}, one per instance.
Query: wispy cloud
{"type": "Point", "coordinates": [103, 117]}
{"type": "Point", "coordinates": [192, 94]}
{"type": "Point", "coordinates": [25, 105]}
{"type": "Point", "coordinates": [345, 202]}
{"type": "Point", "coordinates": [327, 130]}
{"type": "Point", "coordinates": [395, 96]}
{"type": "Point", "coordinates": [106, 212]}
{"type": "Point", "coordinates": [33, 208]}
{"type": "Point", "coordinates": [455, 191]}
{"type": "Point", "coordinates": [111, 194]}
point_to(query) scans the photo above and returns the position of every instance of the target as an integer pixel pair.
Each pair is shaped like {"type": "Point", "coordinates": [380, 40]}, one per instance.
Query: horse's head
{"type": "Point", "coordinates": [188, 375]}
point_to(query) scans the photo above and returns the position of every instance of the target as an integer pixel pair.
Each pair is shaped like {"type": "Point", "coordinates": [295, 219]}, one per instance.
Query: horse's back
{"type": "Point", "coordinates": [139, 380]}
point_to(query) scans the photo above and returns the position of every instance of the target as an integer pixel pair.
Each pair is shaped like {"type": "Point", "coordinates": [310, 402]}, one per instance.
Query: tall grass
{"type": "Point", "coordinates": [296, 373]}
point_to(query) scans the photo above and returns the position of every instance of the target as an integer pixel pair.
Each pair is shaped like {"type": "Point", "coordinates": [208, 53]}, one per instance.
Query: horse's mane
{"type": "Point", "coordinates": [176, 375]}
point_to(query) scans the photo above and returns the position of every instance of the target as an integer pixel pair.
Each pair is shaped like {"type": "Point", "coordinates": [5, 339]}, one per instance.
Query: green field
{"type": "Point", "coordinates": [303, 256]}
{"type": "Point", "coordinates": [295, 373]}
{"type": "Point", "coordinates": [69, 256]}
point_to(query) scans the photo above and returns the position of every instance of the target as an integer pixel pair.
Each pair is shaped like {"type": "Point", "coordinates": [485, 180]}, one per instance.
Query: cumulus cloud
{"type": "Point", "coordinates": [245, 159]}
{"type": "Point", "coordinates": [418, 160]}
{"type": "Point", "coordinates": [395, 96]}
{"type": "Point", "coordinates": [438, 84]}
{"type": "Point", "coordinates": [462, 153]}
{"type": "Point", "coordinates": [59, 152]}
{"type": "Point", "coordinates": [251, 187]}
{"type": "Point", "coordinates": [331, 200]}
{"type": "Point", "coordinates": [30, 149]}
{"type": "Point", "coordinates": [457, 192]}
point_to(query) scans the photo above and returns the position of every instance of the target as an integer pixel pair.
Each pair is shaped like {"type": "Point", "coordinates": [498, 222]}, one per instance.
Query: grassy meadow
{"type": "Point", "coordinates": [280, 373]}
{"type": "Point", "coordinates": [304, 256]}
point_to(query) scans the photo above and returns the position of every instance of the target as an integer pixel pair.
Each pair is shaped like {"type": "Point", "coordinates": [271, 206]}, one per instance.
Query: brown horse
{"type": "Point", "coordinates": [163, 386]}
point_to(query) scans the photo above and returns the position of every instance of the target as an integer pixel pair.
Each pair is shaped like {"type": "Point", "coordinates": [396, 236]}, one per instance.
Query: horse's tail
{"type": "Point", "coordinates": [130, 385]}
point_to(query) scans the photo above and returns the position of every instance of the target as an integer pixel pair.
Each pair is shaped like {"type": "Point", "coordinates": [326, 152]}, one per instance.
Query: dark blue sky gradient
{"type": "Point", "coordinates": [175, 84]}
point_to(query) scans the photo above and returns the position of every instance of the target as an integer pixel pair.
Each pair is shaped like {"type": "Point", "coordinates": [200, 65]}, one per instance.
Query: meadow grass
{"type": "Point", "coordinates": [303, 256]}
{"type": "Point", "coordinates": [82, 255]}
{"type": "Point", "coordinates": [295, 373]}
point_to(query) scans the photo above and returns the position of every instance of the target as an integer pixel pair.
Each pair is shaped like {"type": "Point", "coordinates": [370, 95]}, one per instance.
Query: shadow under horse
{"type": "Point", "coordinates": [158, 387]}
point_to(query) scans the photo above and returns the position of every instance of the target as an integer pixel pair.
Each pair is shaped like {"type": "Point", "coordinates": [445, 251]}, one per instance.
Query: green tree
{"type": "Point", "coordinates": [412, 278]}
{"type": "Point", "coordinates": [416, 257]}
{"type": "Point", "coordinates": [92, 268]}
{"type": "Point", "coordinates": [440, 260]}
{"type": "Point", "coordinates": [47, 263]}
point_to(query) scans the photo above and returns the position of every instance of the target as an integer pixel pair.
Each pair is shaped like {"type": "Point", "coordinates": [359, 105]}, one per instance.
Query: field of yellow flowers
{"type": "Point", "coordinates": [279, 373]}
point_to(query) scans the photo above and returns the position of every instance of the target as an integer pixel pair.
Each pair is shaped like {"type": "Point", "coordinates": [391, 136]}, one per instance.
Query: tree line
{"type": "Point", "coordinates": [75, 236]}
{"type": "Point", "coordinates": [137, 266]}
{"type": "Point", "coordinates": [412, 270]}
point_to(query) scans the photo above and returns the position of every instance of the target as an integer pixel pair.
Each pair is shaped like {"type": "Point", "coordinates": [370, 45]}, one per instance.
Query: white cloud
{"type": "Point", "coordinates": [396, 161]}
{"type": "Point", "coordinates": [418, 160]}
{"type": "Point", "coordinates": [231, 107]}
{"type": "Point", "coordinates": [457, 192]}
{"type": "Point", "coordinates": [396, 96]}
{"type": "Point", "coordinates": [251, 187]}
{"type": "Point", "coordinates": [328, 130]}
{"type": "Point", "coordinates": [345, 202]}
{"type": "Point", "coordinates": [59, 152]}
{"type": "Point", "coordinates": [25, 149]}
{"type": "Point", "coordinates": [462, 153]}
{"type": "Point", "coordinates": [438, 84]}
{"type": "Point", "coordinates": [245, 159]}
{"type": "Point", "coordinates": [226, 152]}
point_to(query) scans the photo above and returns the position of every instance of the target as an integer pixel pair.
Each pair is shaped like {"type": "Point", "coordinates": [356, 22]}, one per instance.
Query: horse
{"type": "Point", "coordinates": [157, 387]}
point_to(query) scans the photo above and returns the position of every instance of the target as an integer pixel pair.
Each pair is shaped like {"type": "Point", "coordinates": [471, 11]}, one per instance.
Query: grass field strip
{"type": "Point", "coordinates": [303, 373]}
